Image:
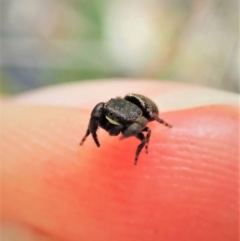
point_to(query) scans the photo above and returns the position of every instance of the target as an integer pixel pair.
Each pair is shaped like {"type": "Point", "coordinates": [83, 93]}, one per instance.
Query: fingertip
{"type": "Point", "coordinates": [181, 181]}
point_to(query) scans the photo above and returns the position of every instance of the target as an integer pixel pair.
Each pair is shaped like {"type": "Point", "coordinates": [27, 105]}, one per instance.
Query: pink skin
{"type": "Point", "coordinates": [184, 189]}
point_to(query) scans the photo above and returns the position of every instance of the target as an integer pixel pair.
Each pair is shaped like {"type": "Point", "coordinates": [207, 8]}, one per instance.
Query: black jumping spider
{"type": "Point", "coordinates": [128, 115]}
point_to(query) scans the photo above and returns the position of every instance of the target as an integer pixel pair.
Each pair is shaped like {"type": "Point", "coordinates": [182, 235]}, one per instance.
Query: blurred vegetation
{"type": "Point", "coordinates": [45, 42]}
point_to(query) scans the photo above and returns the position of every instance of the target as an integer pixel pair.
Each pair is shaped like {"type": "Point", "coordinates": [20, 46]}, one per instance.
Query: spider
{"type": "Point", "coordinates": [128, 116]}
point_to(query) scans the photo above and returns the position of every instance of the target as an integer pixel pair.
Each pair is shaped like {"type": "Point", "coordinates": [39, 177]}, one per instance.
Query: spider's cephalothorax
{"type": "Point", "coordinates": [128, 115]}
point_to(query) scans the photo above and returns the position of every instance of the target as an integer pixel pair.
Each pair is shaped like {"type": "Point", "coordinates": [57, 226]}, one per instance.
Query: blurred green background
{"type": "Point", "coordinates": [45, 42]}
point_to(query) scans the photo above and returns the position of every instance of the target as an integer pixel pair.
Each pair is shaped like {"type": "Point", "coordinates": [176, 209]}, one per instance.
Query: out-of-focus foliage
{"type": "Point", "coordinates": [48, 41]}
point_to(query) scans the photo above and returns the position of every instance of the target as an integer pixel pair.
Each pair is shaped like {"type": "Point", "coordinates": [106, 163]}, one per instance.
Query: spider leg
{"type": "Point", "coordinates": [148, 130]}
{"type": "Point", "coordinates": [93, 126]}
{"type": "Point", "coordinates": [85, 137]}
{"type": "Point", "coordinates": [143, 140]}
{"type": "Point", "coordinates": [96, 115]}
{"type": "Point", "coordinates": [156, 117]}
{"type": "Point", "coordinates": [137, 127]}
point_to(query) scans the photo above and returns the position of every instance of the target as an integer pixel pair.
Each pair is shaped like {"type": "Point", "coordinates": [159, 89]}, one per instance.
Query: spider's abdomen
{"type": "Point", "coordinates": [148, 107]}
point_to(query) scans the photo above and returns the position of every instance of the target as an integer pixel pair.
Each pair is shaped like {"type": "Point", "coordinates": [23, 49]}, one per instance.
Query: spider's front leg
{"type": "Point", "coordinates": [135, 128]}
{"type": "Point", "coordinates": [148, 130]}
{"type": "Point", "coordinates": [96, 115]}
{"type": "Point", "coordinates": [142, 138]}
